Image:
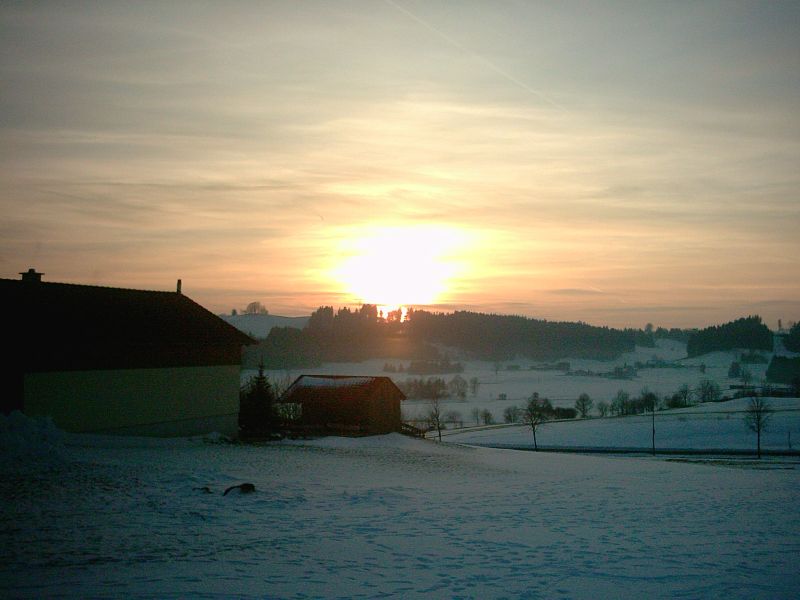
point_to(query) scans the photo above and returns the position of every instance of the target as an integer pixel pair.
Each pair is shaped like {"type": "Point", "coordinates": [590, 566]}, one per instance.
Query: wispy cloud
{"type": "Point", "coordinates": [646, 151]}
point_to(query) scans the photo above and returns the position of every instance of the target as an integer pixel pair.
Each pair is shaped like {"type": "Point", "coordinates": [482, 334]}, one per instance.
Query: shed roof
{"type": "Point", "coordinates": [337, 386]}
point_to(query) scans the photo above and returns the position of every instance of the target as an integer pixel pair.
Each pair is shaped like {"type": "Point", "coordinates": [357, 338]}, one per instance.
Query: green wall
{"type": "Point", "coordinates": [174, 401]}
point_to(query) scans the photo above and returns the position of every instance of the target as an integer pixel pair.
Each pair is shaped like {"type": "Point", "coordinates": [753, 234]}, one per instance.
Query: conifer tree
{"type": "Point", "coordinates": [257, 413]}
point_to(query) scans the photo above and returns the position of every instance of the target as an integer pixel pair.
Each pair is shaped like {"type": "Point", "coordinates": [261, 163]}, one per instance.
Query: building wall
{"type": "Point", "coordinates": [171, 401]}
{"type": "Point", "coordinates": [384, 413]}
{"type": "Point", "coordinates": [326, 410]}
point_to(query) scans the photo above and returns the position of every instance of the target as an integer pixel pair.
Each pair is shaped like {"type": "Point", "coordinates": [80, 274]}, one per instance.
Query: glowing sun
{"type": "Point", "coordinates": [400, 266]}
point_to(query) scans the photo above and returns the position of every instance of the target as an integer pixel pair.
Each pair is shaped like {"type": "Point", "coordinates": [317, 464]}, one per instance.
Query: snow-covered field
{"type": "Point", "coordinates": [561, 389]}
{"type": "Point", "coordinates": [89, 516]}
{"type": "Point", "coordinates": [717, 426]}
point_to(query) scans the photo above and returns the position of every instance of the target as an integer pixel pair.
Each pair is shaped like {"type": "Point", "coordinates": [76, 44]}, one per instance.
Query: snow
{"type": "Point", "coordinates": [259, 326]}
{"type": "Point", "coordinates": [710, 426]}
{"type": "Point", "coordinates": [328, 382]}
{"type": "Point", "coordinates": [502, 388]}
{"type": "Point", "coordinates": [387, 516]}
{"type": "Point", "coordinates": [23, 438]}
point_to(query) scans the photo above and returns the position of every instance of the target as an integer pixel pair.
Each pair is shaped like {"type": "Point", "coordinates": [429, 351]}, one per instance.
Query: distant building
{"type": "Point", "coordinates": [347, 405]}
{"type": "Point", "coordinates": [102, 359]}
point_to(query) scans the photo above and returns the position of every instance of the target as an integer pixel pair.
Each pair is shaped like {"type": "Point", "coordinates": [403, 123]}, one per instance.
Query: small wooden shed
{"type": "Point", "coordinates": [346, 404]}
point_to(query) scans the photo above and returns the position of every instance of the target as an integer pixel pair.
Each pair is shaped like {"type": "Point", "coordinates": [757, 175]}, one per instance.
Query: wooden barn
{"type": "Point", "coordinates": [102, 359]}
{"type": "Point", "coordinates": [346, 404]}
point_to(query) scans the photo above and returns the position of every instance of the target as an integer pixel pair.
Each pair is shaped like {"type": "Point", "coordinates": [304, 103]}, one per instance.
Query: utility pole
{"type": "Point", "coordinates": [654, 424]}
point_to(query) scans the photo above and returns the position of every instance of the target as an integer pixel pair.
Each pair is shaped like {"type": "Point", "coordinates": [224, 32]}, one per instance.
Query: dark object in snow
{"type": "Point", "coordinates": [205, 489]}
{"type": "Point", "coordinates": [244, 488]}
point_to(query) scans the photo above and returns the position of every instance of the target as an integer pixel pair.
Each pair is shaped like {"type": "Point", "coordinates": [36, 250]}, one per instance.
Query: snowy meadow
{"type": "Point", "coordinates": [395, 517]}
{"type": "Point", "coordinates": [511, 383]}
{"type": "Point", "coordinates": [387, 516]}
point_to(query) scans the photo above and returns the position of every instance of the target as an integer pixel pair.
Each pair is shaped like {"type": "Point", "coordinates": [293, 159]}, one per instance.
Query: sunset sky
{"type": "Point", "coordinates": [616, 163]}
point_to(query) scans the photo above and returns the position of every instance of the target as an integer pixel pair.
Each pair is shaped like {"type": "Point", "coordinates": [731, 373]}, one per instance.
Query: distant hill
{"type": "Point", "coordinates": [259, 326]}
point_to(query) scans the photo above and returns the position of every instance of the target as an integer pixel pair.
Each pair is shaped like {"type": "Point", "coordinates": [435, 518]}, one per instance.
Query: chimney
{"type": "Point", "coordinates": [31, 276]}
{"type": "Point", "coordinates": [179, 286]}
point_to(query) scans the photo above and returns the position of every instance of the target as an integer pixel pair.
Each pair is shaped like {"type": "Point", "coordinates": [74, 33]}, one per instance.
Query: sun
{"type": "Point", "coordinates": [400, 266]}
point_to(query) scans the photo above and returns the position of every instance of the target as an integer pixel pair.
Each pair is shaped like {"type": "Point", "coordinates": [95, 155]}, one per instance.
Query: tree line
{"type": "Point", "coordinates": [747, 332]}
{"type": "Point", "coordinates": [792, 340]}
{"type": "Point", "coordinates": [352, 335]}
{"type": "Point", "coordinates": [502, 337]}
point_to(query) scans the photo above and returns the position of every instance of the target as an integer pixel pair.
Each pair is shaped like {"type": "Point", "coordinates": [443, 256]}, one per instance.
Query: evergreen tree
{"type": "Point", "coordinates": [257, 411]}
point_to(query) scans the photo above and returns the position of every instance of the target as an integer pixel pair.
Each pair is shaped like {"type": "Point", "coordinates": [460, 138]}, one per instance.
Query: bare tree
{"type": "Point", "coordinates": [583, 405]}
{"type": "Point", "coordinates": [474, 384]}
{"type": "Point", "coordinates": [457, 387]}
{"type": "Point", "coordinates": [487, 417]}
{"type": "Point", "coordinates": [281, 383]}
{"type": "Point", "coordinates": [650, 401]}
{"type": "Point", "coordinates": [620, 405]}
{"type": "Point", "coordinates": [681, 398]}
{"type": "Point", "coordinates": [756, 417]}
{"type": "Point", "coordinates": [534, 414]}
{"type": "Point", "coordinates": [602, 408]}
{"type": "Point", "coordinates": [453, 416]}
{"type": "Point", "coordinates": [708, 391]}
{"type": "Point", "coordinates": [435, 417]}
{"type": "Point", "coordinates": [685, 393]}
{"type": "Point", "coordinates": [511, 414]}
{"type": "Point", "coordinates": [746, 376]}
{"type": "Point", "coordinates": [475, 413]}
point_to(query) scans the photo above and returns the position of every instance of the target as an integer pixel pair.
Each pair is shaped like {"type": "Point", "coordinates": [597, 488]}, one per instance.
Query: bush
{"type": "Point", "coordinates": [564, 413]}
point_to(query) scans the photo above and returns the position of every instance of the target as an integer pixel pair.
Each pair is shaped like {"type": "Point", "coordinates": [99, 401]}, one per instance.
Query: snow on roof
{"type": "Point", "coordinates": [333, 382]}
{"type": "Point", "coordinates": [336, 386]}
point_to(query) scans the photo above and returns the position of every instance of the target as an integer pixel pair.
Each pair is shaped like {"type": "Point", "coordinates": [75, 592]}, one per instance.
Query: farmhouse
{"type": "Point", "coordinates": [344, 404]}
{"type": "Point", "coordinates": [105, 359]}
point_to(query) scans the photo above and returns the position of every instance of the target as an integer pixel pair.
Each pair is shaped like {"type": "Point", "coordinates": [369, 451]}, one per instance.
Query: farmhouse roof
{"type": "Point", "coordinates": [46, 319]}
{"type": "Point", "coordinates": [315, 387]}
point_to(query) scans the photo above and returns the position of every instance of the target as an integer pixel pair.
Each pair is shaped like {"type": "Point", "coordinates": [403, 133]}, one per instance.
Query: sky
{"type": "Point", "coordinates": [615, 163]}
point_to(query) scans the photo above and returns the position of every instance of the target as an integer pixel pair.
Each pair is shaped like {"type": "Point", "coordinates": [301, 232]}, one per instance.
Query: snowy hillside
{"type": "Point", "coordinates": [388, 517]}
{"type": "Point", "coordinates": [259, 326]}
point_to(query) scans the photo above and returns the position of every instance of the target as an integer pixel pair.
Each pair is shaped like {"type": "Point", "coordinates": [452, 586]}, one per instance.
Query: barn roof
{"type": "Point", "coordinates": [337, 386]}
{"type": "Point", "coordinates": [44, 318]}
